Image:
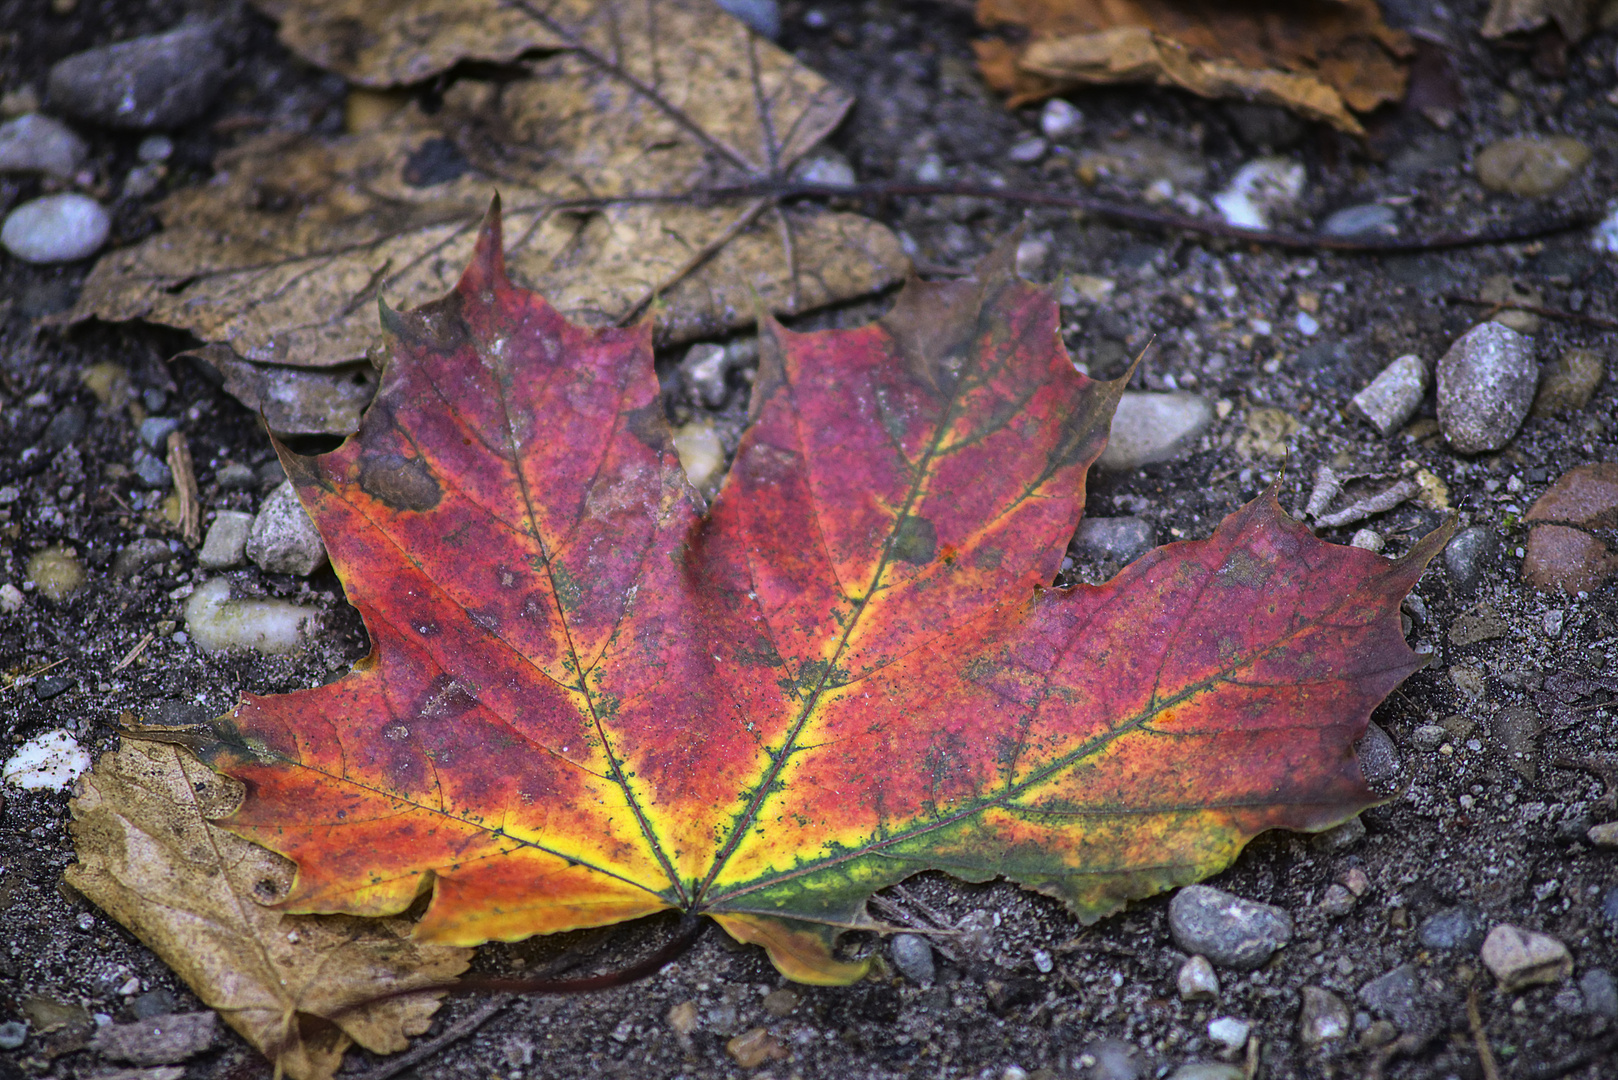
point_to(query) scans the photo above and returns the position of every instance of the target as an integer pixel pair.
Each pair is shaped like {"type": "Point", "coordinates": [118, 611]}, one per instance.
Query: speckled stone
{"type": "Point", "coordinates": [1486, 384]}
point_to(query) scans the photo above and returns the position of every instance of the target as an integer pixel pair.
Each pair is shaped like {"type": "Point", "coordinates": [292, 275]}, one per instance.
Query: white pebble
{"type": "Point", "coordinates": [702, 456]}
{"type": "Point", "coordinates": [48, 762]}
{"type": "Point", "coordinates": [10, 598]}
{"type": "Point", "coordinates": [216, 622]}
{"type": "Point", "coordinates": [1367, 540]}
{"type": "Point", "coordinates": [155, 148]}
{"type": "Point", "coordinates": [56, 229]}
{"type": "Point", "coordinates": [1307, 324]}
{"type": "Point", "coordinates": [1605, 236]}
{"type": "Point", "coordinates": [1258, 189]}
{"type": "Point", "coordinates": [1059, 120]}
{"type": "Point", "coordinates": [1229, 1031]}
{"type": "Point", "coordinates": [40, 144]}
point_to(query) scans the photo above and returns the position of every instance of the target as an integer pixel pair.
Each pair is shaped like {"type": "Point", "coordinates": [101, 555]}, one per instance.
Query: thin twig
{"type": "Point", "coordinates": [29, 676]}
{"type": "Point", "coordinates": [129, 657]}
{"type": "Point", "coordinates": [1535, 309]}
{"type": "Point", "coordinates": [1480, 1038]}
{"type": "Point", "coordinates": [185, 487]}
{"type": "Point", "coordinates": [459, 1030]}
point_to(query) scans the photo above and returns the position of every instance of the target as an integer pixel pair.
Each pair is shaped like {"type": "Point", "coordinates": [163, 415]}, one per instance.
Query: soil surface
{"type": "Point", "coordinates": [1492, 818]}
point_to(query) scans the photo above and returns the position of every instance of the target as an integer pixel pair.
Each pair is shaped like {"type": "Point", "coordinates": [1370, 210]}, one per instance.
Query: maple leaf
{"type": "Point", "coordinates": [588, 700]}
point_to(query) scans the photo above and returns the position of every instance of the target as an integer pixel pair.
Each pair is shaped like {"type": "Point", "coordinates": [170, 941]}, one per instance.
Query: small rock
{"type": "Point", "coordinates": [1552, 623]}
{"type": "Point", "coordinates": [11, 599]}
{"type": "Point", "coordinates": [913, 956]}
{"type": "Point", "coordinates": [158, 1040]}
{"type": "Point", "coordinates": [48, 762]}
{"type": "Point", "coordinates": [826, 167]}
{"type": "Point", "coordinates": [764, 16]}
{"type": "Point", "coordinates": [155, 430]}
{"type": "Point", "coordinates": [1032, 254]}
{"type": "Point", "coordinates": [56, 229]}
{"type": "Point", "coordinates": [1267, 127]}
{"type": "Point", "coordinates": [1027, 151]}
{"type": "Point", "coordinates": [1367, 540]}
{"type": "Point", "coordinates": [1523, 958]}
{"type": "Point", "coordinates": [1371, 219]}
{"type": "Point", "coordinates": [1604, 237]}
{"type": "Point", "coordinates": [1229, 1031]}
{"type": "Point", "coordinates": [1604, 835]}
{"type": "Point", "coordinates": [217, 623]}
{"type": "Point", "coordinates": [1513, 298]}
{"type": "Point", "coordinates": [1197, 980]}
{"type": "Point", "coordinates": [155, 148]}
{"type": "Point", "coordinates": [134, 557]}
{"type": "Point", "coordinates": [1379, 759]}
{"type": "Point", "coordinates": [781, 1001]}
{"type": "Point", "coordinates": [753, 1048]}
{"type": "Point", "coordinates": [1338, 901]}
{"type": "Point", "coordinates": [1208, 1070]}
{"type": "Point", "coordinates": [1060, 120]}
{"type": "Point", "coordinates": [1120, 539]}
{"type": "Point", "coordinates": [1393, 397]}
{"type": "Point", "coordinates": [1558, 559]}
{"type": "Point", "coordinates": [1260, 188]}
{"type": "Point", "coordinates": [159, 81]}
{"type": "Point", "coordinates": [1341, 837]}
{"type": "Point", "coordinates": [1323, 1017]}
{"type": "Point", "coordinates": [1485, 386]}
{"type": "Point", "coordinates": [1428, 737]}
{"type": "Point", "coordinates": [703, 372]}
{"type": "Point", "coordinates": [235, 477]}
{"type": "Point", "coordinates": [142, 180]}
{"type": "Point", "coordinates": [39, 144]}
{"type": "Point", "coordinates": [1517, 730]}
{"type": "Point", "coordinates": [13, 1033]}
{"type": "Point", "coordinates": [159, 1002]}
{"type": "Point", "coordinates": [56, 573]}
{"type": "Point", "coordinates": [702, 456]}
{"type": "Point", "coordinates": [66, 428]}
{"type": "Point", "coordinates": [1531, 166]}
{"type": "Point", "coordinates": [284, 540]}
{"type": "Point", "coordinates": [1600, 993]}
{"type": "Point", "coordinates": [50, 686]}
{"type": "Point", "coordinates": [19, 100]}
{"type": "Point", "coordinates": [1567, 383]}
{"type": "Point", "coordinates": [1149, 428]}
{"type": "Point", "coordinates": [1228, 930]}
{"type": "Point", "coordinates": [1397, 995]}
{"type": "Point", "coordinates": [1468, 554]}
{"type": "Point", "coordinates": [226, 543]}
{"type": "Point", "coordinates": [1113, 1059]}
{"type": "Point", "coordinates": [1451, 928]}
{"type": "Point", "coordinates": [151, 470]}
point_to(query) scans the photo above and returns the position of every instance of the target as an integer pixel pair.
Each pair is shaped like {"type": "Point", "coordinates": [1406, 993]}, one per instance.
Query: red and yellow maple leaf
{"type": "Point", "coordinates": [588, 700]}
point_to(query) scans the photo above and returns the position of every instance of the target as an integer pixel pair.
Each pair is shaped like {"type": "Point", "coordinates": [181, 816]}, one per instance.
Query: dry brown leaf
{"type": "Point", "coordinates": [193, 893]}
{"type": "Point", "coordinates": [282, 258]}
{"type": "Point", "coordinates": [1325, 59]}
{"type": "Point", "coordinates": [1572, 17]}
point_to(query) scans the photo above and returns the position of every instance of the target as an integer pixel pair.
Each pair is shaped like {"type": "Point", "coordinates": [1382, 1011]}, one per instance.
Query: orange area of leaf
{"type": "Point", "coordinates": [590, 697]}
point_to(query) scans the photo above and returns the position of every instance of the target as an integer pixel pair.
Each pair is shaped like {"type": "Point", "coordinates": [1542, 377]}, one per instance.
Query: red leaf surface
{"type": "Point", "coordinates": [588, 700]}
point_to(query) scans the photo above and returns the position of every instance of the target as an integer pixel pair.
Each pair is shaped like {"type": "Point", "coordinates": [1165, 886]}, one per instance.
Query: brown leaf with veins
{"type": "Point", "coordinates": [150, 856]}
{"type": "Point", "coordinates": [283, 257]}
{"type": "Point", "coordinates": [1325, 59]}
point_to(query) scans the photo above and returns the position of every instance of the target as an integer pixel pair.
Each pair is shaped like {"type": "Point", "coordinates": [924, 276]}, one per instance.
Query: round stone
{"type": "Point", "coordinates": [1531, 166]}
{"type": "Point", "coordinates": [56, 229]}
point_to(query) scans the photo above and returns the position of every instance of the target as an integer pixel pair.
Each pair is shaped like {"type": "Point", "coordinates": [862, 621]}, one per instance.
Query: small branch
{"type": "Point", "coordinates": [455, 1032]}
{"type": "Point", "coordinates": [1480, 1038]}
{"type": "Point", "coordinates": [29, 676]}
{"type": "Point", "coordinates": [185, 487]}
{"type": "Point", "coordinates": [129, 657]}
{"type": "Point", "coordinates": [1497, 306]}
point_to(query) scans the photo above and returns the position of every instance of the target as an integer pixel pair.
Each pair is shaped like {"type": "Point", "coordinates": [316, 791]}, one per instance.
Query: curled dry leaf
{"type": "Point", "coordinates": [1325, 59]}
{"type": "Point", "coordinates": [150, 856]}
{"type": "Point", "coordinates": [283, 257]}
{"type": "Point", "coordinates": [1572, 17]}
{"type": "Point", "coordinates": [590, 699]}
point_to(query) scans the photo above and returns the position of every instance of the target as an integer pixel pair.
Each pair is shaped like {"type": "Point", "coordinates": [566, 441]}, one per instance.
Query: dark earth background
{"type": "Point", "coordinates": [1500, 835]}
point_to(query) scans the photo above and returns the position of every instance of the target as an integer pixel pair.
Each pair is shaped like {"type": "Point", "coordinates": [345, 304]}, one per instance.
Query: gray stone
{"type": "Point", "coordinates": [1468, 554]}
{"type": "Point", "coordinates": [703, 372]}
{"type": "Point", "coordinates": [226, 543]}
{"type": "Point", "coordinates": [1369, 220]}
{"type": "Point", "coordinates": [1265, 127]}
{"type": "Point", "coordinates": [1337, 901]}
{"type": "Point", "coordinates": [13, 1033]}
{"type": "Point", "coordinates": [1121, 539]}
{"type": "Point", "coordinates": [1398, 996]}
{"type": "Point", "coordinates": [1566, 383]}
{"type": "Point", "coordinates": [159, 1002]}
{"type": "Point", "coordinates": [142, 180]}
{"type": "Point", "coordinates": [155, 430]}
{"type": "Point", "coordinates": [1322, 1018]}
{"type": "Point", "coordinates": [155, 148]}
{"type": "Point", "coordinates": [284, 540]}
{"type": "Point", "coordinates": [1197, 980]}
{"type": "Point", "coordinates": [1113, 1059]}
{"type": "Point", "coordinates": [1027, 151]}
{"type": "Point", "coordinates": [1452, 928]}
{"type": "Point", "coordinates": [135, 557]}
{"type": "Point", "coordinates": [1600, 993]}
{"type": "Point", "coordinates": [1379, 759]}
{"type": "Point", "coordinates": [151, 471]}
{"type": "Point", "coordinates": [1609, 911]}
{"type": "Point", "coordinates": [1060, 120]}
{"type": "Point", "coordinates": [1531, 166]}
{"type": "Point", "coordinates": [1522, 958]}
{"type": "Point", "coordinates": [56, 229]}
{"type": "Point", "coordinates": [236, 477]}
{"type": "Point", "coordinates": [826, 167]}
{"type": "Point", "coordinates": [159, 1040]}
{"type": "Point", "coordinates": [1341, 837]}
{"type": "Point", "coordinates": [1485, 387]}
{"type": "Point", "coordinates": [913, 956]}
{"type": "Point", "coordinates": [1393, 397]}
{"type": "Point", "coordinates": [271, 474]}
{"type": "Point", "coordinates": [1230, 931]}
{"type": "Point", "coordinates": [1428, 737]}
{"type": "Point", "coordinates": [159, 81]}
{"type": "Point", "coordinates": [764, 16]}
{"type": "Point", "coordinates": [1208, 1070]}
{"type": "Point", "coordinates": [40, 144]}
{"type": "Point", "coordinates": [66, 428]}
{"type": "Point", "coordinates": [1148, 428]}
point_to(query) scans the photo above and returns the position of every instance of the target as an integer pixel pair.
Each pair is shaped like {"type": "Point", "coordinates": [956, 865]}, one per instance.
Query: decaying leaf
{"type": "Point", "coordinates": [150, 856]}
{"type": "Point", "coordinates": [1572, 17]}
{"type": "Point", "coordinates": [282, 257]}
{"type": "Point", "coordinates": [1325, 59]}
{"type": "Point", "coordinates": [589, 700]}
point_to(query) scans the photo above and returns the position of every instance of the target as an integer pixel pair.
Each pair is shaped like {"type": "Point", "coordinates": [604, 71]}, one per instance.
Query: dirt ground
{"type": "Point", "coordinates": [1033, 994]}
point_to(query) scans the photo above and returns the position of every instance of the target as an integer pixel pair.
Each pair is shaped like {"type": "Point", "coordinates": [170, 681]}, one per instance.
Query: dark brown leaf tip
{"type": "Point", "coordinates": [487, 270]}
